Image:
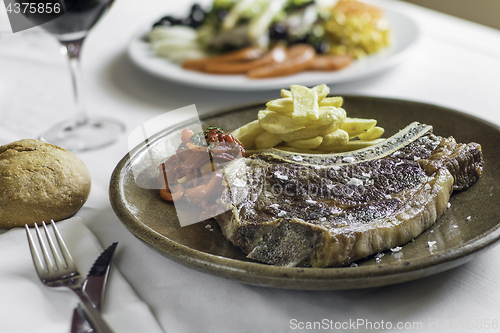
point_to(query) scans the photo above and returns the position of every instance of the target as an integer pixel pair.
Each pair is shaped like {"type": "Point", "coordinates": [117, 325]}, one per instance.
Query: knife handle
{"type": "Point", "coordinates": [79, 323]}
{"type": "Point", "coordinates": [91, 313]}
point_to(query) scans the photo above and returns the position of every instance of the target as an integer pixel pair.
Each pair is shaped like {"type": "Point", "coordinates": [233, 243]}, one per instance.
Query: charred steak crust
{"type": "Point", "coordinates": [289, 209]}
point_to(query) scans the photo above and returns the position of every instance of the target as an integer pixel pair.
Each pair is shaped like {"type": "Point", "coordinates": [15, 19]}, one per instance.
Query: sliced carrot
{"type": "Point", "coordinates": [300, 57]}
{"type": "Point", "coordinates": [276, 55]}
{"type": "Point", "coordinates": [195, 148]}
{"type": "Point", "coordinates": [246, 54]}
{"type": "Point", "coordinates": [165, 194]}
{"type": "Point", "coordinates": [186, 134]}
{"type": "Point", "coordinates": [200, 191]}
{"type": "Point", "coordinates": [331, 62]}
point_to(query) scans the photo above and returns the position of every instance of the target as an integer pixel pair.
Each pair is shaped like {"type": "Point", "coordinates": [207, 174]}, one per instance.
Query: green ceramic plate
{"type": "Point", "coordinates": [467, 228]}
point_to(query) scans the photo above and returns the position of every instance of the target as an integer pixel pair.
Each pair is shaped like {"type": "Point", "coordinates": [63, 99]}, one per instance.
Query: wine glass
{"type": "Point", "coordinates": [83, 132]}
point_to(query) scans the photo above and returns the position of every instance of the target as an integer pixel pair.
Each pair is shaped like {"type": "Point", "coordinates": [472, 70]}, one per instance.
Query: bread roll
{"type": "Point", "coordinates": [40, 182]}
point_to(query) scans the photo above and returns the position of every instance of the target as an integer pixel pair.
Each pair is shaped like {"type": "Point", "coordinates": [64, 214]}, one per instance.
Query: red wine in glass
{"type": "Point", "coordinates": [83, 132]}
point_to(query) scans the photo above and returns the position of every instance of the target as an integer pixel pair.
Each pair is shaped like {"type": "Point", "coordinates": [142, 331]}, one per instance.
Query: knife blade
{"type": "Point", "coordinates": [95, 288]}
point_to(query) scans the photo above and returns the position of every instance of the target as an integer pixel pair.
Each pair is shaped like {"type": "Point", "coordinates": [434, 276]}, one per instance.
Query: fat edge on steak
{"type": "Point", "coordinates": [290, 209]}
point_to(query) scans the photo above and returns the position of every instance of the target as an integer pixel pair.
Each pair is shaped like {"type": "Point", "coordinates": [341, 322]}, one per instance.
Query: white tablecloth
{"type": "Point", "coordinates": [457, 66]}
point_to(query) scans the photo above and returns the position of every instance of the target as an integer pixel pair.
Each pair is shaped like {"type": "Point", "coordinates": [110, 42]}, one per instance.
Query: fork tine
{"type": "Point", "coordinates": [34, 252]}
{"type": "Point", "coordinates": [64, 249]}
{"type": "Point", "coordinates": [48, 260]}
{"type": "Point", "coordinates": [57, 258]}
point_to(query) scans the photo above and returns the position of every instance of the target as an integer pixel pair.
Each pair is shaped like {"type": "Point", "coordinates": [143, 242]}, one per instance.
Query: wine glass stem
{"type": "Point", "coordinates": [72, 50]}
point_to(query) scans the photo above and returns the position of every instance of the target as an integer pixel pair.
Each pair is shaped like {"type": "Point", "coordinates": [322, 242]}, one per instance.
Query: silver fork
{"type": "Point", "coordinates": [59, 270]}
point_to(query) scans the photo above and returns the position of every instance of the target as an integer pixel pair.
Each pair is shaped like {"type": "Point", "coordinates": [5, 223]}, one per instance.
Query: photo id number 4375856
{"type": "Point", "coordinates": [34, 7]}
{"type": "Point", "coordinates": [464, 324]}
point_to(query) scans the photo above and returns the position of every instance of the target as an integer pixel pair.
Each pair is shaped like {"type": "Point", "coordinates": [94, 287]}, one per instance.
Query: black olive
{"type": "Point", "coordinates": [196, 7]}
{"type": "Point", "coordinates": [321, 46]}
{"type": "Point", "coordinates": [278, 31]}
{"type": "Point", "coordinates": [168, 21]}
{"type": "Point", "coordinates": [197, 16]}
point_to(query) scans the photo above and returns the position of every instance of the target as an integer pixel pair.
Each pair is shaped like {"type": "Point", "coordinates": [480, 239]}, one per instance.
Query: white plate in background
{"type": "Point", "coordinates": [405, 34]}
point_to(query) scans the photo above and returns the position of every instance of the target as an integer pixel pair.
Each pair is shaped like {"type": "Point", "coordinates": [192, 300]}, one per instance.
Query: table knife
{"type": "Point", "coordinates": [95, 287]}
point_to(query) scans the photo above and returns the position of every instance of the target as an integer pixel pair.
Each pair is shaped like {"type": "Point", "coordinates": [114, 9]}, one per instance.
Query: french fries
{"type": "Point", "coordinates": [248, 133]}
{"type": "Point", "coordinates": [336, 138]}
{"type": "Point", "coordinates": [281, 105]}
{"type": "Point", "coordinates": [285, 93]}
{"type": "Point", "coordinates": [267, 140]}
{"type": "Point", "coordinates": [332, 101]}
{"type": "Point", "coordinates": [329, 115]}
{"type": "Point", "coordinates": [371, 134]}
{"type": "Point", "coordinates": [306, 120]}
{"type": "Point", "coordinates": [276, 123]}
{"type": "Point", "coordinates": [308, 133]}
{"type": "Point", "coordinates": [357, 126]}
{"type": "Point", "coordinates": [322, 90]}
{"type": "Point", "coordinates": [305, 104]}
{"type": "Point", "coordinates": [306, 144]}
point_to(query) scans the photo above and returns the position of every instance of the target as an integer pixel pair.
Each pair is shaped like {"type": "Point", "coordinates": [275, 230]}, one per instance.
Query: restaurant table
{"type": "Point", "coordinates": [456, 65]}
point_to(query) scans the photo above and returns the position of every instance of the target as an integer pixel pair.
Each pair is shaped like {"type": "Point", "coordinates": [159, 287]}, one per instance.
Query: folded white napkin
{"type": "Point", "coordinates": [27, 305]}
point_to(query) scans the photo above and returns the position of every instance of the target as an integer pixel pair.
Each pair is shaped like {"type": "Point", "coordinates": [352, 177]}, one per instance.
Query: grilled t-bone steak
{"type": "Point", "coordinates": [291, 209]}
